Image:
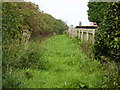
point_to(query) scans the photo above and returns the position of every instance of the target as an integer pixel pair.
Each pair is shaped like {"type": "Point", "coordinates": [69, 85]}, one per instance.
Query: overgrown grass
{"type": "Point", "coordinates": [61, 65]}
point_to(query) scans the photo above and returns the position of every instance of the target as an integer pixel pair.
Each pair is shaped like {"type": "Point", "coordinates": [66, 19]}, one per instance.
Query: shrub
{"type": "Point", "coordinates": [31, 57]}
{"type": "Point", "coordinates": [107, 39]}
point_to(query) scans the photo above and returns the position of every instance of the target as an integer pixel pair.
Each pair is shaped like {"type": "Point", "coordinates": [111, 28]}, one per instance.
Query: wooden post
{"type": "Point", "coordinates": [87, 36]}
{"type": "Point", "coordinates": [82, 35]}
{"type": "Point", "coordinates": [78, 33]}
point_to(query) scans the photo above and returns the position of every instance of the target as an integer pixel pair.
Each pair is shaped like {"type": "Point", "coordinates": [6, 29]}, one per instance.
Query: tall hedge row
{"type": "Point", "coordinates": [17, 18]}
{"type": "Point", "coordinates": [107, 38]}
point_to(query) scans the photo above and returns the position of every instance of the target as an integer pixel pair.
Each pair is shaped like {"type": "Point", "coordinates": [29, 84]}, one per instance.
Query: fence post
{"type": "Point", "coordinates": [78, 33]}
{"type": "Point", "coordinates": [87, 36]}
{"type": "Point", "coordinates": [82, 35]}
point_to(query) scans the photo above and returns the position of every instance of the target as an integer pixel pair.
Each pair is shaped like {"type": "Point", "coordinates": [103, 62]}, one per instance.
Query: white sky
{"type": "Point", "coordinates": [70, 11]}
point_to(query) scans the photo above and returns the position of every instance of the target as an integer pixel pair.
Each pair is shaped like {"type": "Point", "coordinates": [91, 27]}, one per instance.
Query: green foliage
{"type": "Point", "coordinates": [58, 61]}
{"type": "Point", "coordinates": [13, 22]}
{"type": "Point", "coordinates": [66, 67]}
{"type": "Point", "coordinates": [10, 81]}
{"type": "Point", "coordinates": [31, 57]}
{"type": "Point", "coordinates": [107, 39]}
{"type": "Point", "coordinates": [25, 15]}
{"type": "Point", "coordinates": [96, 11]}
{"type": "Point", "coordinates": [55, 25]}
{"type": "Point", "coordinates": [87, 48]}
{"type": "Point", "coordinates": [12, 29]}
{"type": "Point", "coordinates": [18, 18]}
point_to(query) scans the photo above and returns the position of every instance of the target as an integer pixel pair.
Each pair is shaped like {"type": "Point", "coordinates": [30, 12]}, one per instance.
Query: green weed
{"type": "Point", "coordinates": [65, 66]}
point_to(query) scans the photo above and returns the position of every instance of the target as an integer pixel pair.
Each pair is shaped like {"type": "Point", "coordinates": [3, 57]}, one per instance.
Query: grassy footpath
{"type": "Point", "coordinates": [62, 65]}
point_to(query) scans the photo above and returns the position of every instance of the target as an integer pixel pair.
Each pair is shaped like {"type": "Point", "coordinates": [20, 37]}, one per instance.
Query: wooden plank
{"type": "Point", "coordinates": [78, 33]}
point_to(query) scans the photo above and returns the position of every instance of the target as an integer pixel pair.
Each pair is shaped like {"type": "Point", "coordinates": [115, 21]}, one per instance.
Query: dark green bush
{"type": "Point", "coordinates": [107, 38]}
{"type": "Point", "coordinates": [96, 11]}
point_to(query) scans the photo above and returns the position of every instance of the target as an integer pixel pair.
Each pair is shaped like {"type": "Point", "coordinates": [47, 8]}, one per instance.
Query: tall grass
{"type": "Point", "coordinates": [58, 62]}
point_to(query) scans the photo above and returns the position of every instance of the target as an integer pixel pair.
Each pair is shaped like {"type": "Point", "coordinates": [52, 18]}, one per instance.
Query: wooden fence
{"type": "Point", "coordinates": [83, 34]}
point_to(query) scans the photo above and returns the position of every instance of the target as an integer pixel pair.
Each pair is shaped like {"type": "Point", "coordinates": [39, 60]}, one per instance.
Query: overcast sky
{"type": "Point", "coordinates": [70, 11]}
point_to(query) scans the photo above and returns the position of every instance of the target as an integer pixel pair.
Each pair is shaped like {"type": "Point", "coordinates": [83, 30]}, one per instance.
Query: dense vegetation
{"type": "Point", "coordinates": [21, 22]}
{"type": "Point", "coordinates": [60, 64]}
{"type": "Point", "coordinates": [26, 15]}
{"type": "Point", "coordinates": [107, 45]}
{"type": "Point", "coordinates": [96, 11]}
{"type": "Point", "coordinates": [33, 59]}
{"type": "Point", "coordinates": [107, 39]}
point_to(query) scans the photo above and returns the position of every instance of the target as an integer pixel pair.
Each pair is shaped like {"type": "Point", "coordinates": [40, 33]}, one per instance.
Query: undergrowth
{"type": "Point", "coordinates": [58, 62]}
{"type": "Point", "coordinates": [111, 68]}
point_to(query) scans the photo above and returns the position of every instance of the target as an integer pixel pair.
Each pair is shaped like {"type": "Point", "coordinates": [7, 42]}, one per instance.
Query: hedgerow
{"type": "Point", "coordinates": [107, 39]}
{"type": "Point", "coordinates": [21, 21]}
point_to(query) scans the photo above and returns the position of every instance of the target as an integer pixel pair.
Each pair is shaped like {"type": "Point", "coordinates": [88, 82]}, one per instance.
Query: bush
{"type": "Point", "coordinates": [107, 39]}
{"type": "Point", "coordinates": [31, 57]}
